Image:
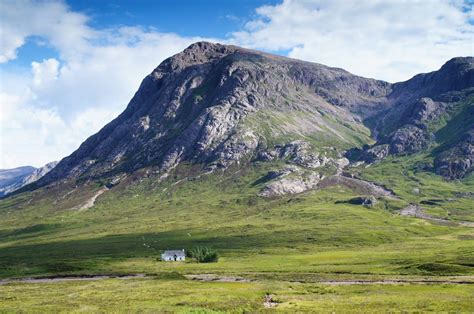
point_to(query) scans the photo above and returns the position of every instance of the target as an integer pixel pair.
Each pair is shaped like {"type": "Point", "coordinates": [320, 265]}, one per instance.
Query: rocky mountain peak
{"type": "Point", "coordinates": [458, 66]}
{"type": "Point", "coordinates": [218, 105]}
{"type": "Point", "coordinates": [196, 54]}
{"type": "Point", "coordinates": [456, 74]}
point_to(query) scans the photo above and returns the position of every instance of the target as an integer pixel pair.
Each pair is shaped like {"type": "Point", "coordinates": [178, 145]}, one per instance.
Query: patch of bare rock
{"type": "Point", "coordinates": [269, 301]}
{"type": "Point", "coordinates": [414, 210]}
{"type": "Point", "coordinates": [290, 180]}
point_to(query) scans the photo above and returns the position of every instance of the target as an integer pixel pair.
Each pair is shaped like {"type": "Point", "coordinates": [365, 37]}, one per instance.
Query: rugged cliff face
{"type": "Point", "coordinates": [218, 105]}
{"type": "Point", "coordinates": [429, 110]}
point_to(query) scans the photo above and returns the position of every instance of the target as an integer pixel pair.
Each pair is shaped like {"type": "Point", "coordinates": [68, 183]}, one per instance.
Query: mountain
{"type": "Point", "coordinates": [433, 109]}
{"type": "Point", "coordinates": [16, 178]}
{"type": "Point", "coordinates": [10, 176]}
{"type": "Point", "coordinates": [297, 174]}
{"type": "Point", "coordinates": [216, 106]}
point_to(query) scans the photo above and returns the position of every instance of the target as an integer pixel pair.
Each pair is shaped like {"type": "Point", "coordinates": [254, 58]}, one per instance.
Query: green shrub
{"type": "Point", "coordinates": [204, 254]}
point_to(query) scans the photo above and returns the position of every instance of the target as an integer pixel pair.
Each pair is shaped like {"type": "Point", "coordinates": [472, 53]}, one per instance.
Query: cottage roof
{"type": "Point", "coordinates": [174, 252]}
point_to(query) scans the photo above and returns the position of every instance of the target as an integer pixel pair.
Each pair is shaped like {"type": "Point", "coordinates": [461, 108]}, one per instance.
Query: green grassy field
{"type": "Point", "coordinates": [285, 245]}
{"type": "Point", "coordinates": [184, 296]}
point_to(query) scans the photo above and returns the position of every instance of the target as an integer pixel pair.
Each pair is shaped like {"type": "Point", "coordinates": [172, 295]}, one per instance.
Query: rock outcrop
{"type": "Point", "coordinates": [457, 161]}
{"type": "Point", "coordinates": [408, 139]}
{"type": "Point", "coordinates": [367, 201]}
{"type": "Point", "coordinates": [375, 153]}
{"type": "Point", "coordinates": [290, 180]}
{"type": "Point", "coordinates": [296, 152]}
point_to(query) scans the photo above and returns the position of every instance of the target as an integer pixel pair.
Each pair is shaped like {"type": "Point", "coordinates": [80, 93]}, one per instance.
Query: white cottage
{"type": "Point", "coordinates": [173, 255]}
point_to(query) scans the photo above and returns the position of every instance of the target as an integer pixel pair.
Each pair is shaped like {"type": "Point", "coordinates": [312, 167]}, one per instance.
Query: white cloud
{"type": "Point", "coordinates": [32, 135]}
{"type": "Point", "coordinates": [52, 20]}
{"type": "Point", "coordinates": [391, 40]}
{"type": "Point", "coordinates": [45, 73]}
{"type": "Point", "coordinates": [47, 113]}
{"type": "Point", "coordinates": [52, 107]}
{"type": "Point", "coordinates": [25, 129]}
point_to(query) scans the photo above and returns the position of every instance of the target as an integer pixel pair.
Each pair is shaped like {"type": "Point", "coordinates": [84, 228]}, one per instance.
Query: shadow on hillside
{"type": "Point", "coordinates": [28, 232]}
{"type": "Point", "coordinates": [76, 255]}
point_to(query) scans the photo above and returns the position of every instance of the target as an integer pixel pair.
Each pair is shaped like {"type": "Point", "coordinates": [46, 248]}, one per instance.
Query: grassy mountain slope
{"type": "Point", "coordinates": [224, 212]}
{"type": "Point", "coordinates": [307, 238]}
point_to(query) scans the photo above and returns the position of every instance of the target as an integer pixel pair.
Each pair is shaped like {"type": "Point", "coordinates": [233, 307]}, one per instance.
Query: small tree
{"type": "Point", "coordinates": [204, 254]}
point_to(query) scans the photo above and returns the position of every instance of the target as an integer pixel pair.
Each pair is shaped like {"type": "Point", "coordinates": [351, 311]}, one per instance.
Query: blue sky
{"type": "Point", "coordinates": [69, 67]}
{"type": "Point", "coordinates": [211, 18]}
{"type": "Point", "coordinates": [204, 18]}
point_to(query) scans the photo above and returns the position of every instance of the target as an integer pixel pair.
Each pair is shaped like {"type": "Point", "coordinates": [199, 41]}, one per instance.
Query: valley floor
{"type": "Point", "coordinates": [181, 295]}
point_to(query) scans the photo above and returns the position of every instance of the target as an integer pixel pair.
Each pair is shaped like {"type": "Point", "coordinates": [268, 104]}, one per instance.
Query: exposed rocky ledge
{"type": "Point", "coordinates": [458, 161]}
{"type": "Point", "coordinates": [296, 152]}
{"type": "Point", "coordinates": [290, 180]}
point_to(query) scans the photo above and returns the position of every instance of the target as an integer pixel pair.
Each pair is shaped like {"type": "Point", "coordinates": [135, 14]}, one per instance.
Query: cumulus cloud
{"type": "Point", "coordinates": [50, 108]}
{"type": "Point", "coordinates": [391, 40]}
{"type": "Point", "coordinates": [47, 112]}
{"type": "Point", "coordinates": [34, 135]}
{"type": "Point", "coordinates": [52, 20]}
{"type": "Point", "coordinates": [44, 73]}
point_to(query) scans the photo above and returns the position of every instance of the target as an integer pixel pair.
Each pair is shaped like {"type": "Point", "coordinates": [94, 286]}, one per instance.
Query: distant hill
{"type": "Point", "coordinates": [10, 176]}
{"type": "Point", "coordinates": [14, 179]}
